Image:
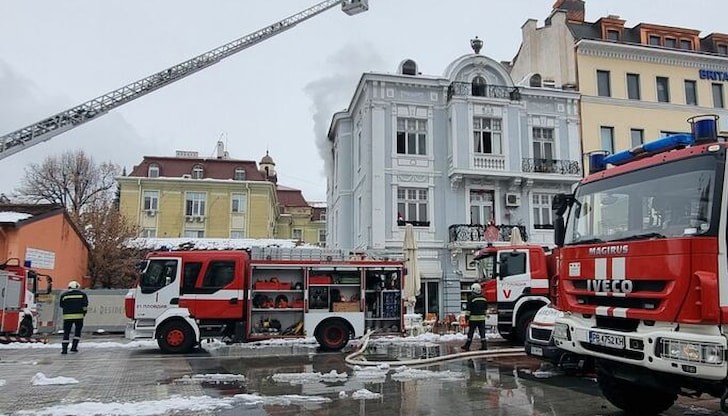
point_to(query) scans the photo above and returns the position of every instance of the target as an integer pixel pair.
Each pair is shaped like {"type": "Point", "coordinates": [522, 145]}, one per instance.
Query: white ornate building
{"type": "Point", "coordinates": [449, 154]}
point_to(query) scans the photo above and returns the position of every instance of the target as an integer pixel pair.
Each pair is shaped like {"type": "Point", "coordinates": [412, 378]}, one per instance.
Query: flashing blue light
{"type": "Point", "coordinates": [656, 146]}
{"type": "Point", "coordinates": [596, 161]}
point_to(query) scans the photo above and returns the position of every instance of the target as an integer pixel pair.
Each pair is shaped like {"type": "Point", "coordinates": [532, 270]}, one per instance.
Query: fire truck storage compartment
{"type": "Point", "coordinates": [276, 301]}
{"type": "Point", "coordinates": [334, 289]}
{"type": "Point", "coordinates": [10, 287]}
{"type": "Point", "coordinates": [383, 300]}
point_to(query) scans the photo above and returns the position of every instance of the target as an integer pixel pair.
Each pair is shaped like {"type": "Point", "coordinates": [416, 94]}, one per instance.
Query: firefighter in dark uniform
{"type": "Point", "coordinates": [475, 317]}
{"type": "Point", "coordinates": [74, 304]}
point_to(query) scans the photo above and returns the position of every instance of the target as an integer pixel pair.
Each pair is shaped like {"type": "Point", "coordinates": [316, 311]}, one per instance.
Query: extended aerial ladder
{"type": "Point", "coordinates": [52, 126]}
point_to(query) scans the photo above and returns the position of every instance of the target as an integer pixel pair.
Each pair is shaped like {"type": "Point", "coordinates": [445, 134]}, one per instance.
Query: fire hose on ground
{"type": "Point", "coordinates": [355, 358]}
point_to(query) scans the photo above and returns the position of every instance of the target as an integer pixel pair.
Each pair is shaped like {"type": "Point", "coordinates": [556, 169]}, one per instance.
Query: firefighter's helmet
{"type": "Point", "coordinates": [73, 285]}
{"type": "Point", "coordinates": [475, 288]}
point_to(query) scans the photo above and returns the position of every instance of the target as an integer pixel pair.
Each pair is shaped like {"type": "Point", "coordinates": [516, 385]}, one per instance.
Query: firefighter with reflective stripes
{"type": "Point", "coordinates": [475, 317]}
{"type": "Point", "coordinates": [74, 304]}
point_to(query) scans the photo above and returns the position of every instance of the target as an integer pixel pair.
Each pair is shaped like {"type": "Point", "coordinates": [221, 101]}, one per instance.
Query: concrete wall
{"type": "Point", "coordinates": [105, 311]}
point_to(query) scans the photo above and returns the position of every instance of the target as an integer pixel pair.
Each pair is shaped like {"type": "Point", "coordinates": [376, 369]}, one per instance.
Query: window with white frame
{"type": "Point", "coordinates": [482, 210]}
{"type": "Point", "coordinates": [239, 174]}
{"type": "Point", "coordinates": [198, 172]}
{"type": "Point", "coordinates": [151, 200]}
{"type": "Point", "coordinates": [411, 136]}
{"type": "Point", "coordinates": [322, 237]}
{"type": "Point", "coordinates": [148, 233]}
{"type": "Point", "coordinates": [543, 143]}
{"type": "Point", "coordinates": [194, 234]}
{"type": "Point", "coordinates": [195, 203]}
{"type": "Point", "coordinates": [237, 234]}
{"type": "Point", "coordinates": [412, 206]}
{"type": "Point", "coordinates": [153, 171]}
{"type": "Point", "coordinates": [487, 134]}
{"type": "Point", "coordinates": [542, 213]}
{"type": "Point", "coordinates": [297, 234]}
{"type": "Point", "coordinates": [239, 203]}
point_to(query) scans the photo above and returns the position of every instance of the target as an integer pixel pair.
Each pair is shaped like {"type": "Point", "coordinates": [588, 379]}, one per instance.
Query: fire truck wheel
{"type": "Point", "coordinates": [176, 338]}
{"type": "Point", "coordinates": [26, 328]}
{"type": "Point", "coordinates": [522, 325]}
{"type": "Point", "coordinates": [634, 398]}
{"type": "Point", "coordinates": [332, 335]}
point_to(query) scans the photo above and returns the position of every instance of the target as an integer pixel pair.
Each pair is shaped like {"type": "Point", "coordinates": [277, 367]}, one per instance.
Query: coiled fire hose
{"type": "Point", "coordinates": [351, 359]}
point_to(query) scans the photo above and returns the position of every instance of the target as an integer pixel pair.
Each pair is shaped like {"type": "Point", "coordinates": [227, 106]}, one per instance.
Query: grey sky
{"type": "Point", "coordinates": [278, 95]}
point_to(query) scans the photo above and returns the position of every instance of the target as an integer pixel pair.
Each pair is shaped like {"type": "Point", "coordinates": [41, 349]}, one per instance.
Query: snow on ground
{"type": "Point", "coordinates": [210, 378]}
{"type": "Point", "coordinates": [40, 379]}
{"type": "Point", "coordinates": [404, 373]}
{"type": "Point", "coordinates": [82, 345]}
{"type": "Point", "coordinates": [2, 383]}
{"type": "Point", "coordinates": [303, 378]}
{"type": "Point", "coordinates": [365, 394]}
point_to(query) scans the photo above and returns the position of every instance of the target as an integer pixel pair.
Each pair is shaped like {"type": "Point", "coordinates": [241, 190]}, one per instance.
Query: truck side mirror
{"type": "Point", "coordinates": [559, 231]}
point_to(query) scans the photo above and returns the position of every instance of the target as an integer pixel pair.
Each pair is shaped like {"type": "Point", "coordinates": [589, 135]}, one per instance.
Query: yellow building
{"type": "Point", "coordinates": [192, 197]}
{"type": "Point", "coordinates": [637, 83]}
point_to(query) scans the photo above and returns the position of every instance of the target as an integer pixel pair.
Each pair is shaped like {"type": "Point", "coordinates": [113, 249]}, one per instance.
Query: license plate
{"type": "Point", "coordinates": [606, 340]}
{"type": "Point", "coordinates": [537, 351]}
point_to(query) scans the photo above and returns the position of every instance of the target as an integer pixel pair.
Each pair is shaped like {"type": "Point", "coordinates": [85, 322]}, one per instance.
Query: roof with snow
{"type": "Point", "coordinates": [207, 243]}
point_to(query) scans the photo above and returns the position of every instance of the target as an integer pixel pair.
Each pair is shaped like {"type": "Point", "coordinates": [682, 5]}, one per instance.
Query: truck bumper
{"type": "Point", "coordinates": [134, 331]}
{"type": "Point", "coordinates": [548, 352]}
{"type": "Point", "coordinates": [647, 347]}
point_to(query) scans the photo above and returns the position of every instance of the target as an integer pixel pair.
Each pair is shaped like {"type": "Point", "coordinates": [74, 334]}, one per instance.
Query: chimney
{"type": "Point", "coordinates": [220, 150]}
{"type": "Point", "coordinates": [574, 9]}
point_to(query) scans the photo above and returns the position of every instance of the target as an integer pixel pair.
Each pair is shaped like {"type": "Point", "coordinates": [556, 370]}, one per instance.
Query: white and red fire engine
{"type": "Point", "coordinates": [516, 284]}
{"type": "Point", "coordinates": [18, 309]}
{"type": "Point", "coordinates": [185, 296]}
{"type": "Point", "coordinates": [643, 270]}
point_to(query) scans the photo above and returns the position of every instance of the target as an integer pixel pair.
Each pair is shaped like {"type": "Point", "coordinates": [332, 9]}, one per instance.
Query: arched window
{"type": "Point", "coordinates": [198, 172]}
{"type": "Point", "coordinates": [479, 87]}
{"type": "Point", "coordinates": [409, 67]}
{"type": "Point", "coordinates": [239, 174]}
{"type": "Point", "coordinates": [535, 80]}
{"type": "Point", "coordinates": [153, 171]}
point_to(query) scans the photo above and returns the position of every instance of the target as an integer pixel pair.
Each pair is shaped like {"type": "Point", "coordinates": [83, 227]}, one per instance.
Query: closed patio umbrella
{"type": "Point", "coordinates": [412, 278]}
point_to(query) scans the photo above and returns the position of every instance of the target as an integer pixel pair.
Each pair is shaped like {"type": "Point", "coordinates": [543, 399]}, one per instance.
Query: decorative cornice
{"type": "Point", "coordinates": [641, 53]}
{"type": "Point", "coordinates": [651, 105]}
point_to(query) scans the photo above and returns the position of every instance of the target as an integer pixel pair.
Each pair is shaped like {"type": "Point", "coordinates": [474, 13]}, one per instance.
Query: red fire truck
{"type": "Point", "coordinates": [516, 282]}
{"type": "Point", "coordinates": [185, 296]}
{"type": "Point", "coordinates": [643, 270]}
{"type": "Point", "coordinates": [18, 310]}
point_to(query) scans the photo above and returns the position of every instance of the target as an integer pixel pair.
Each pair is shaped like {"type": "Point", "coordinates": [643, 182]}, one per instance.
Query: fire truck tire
{"type": "Point", "coordinates": [332, 335]}
{"type": "Point", "coordinates": [26, 328]}
{"type": "Point", "coordinates": [633, 398]}
{"type": "Point", "coordinates": [522, 325]}
{"type": "Point", "coordinates": [176, 338]}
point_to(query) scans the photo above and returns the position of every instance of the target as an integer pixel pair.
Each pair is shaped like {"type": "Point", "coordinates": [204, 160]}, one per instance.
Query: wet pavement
{"type": "Point", "coordinates": [494, 386]}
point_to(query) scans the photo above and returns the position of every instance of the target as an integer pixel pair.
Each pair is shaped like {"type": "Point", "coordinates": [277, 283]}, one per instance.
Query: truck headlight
{"type": "Point", "coordinates": [695, 352]}
{"type": "Point", "coordinates": [561, 331]}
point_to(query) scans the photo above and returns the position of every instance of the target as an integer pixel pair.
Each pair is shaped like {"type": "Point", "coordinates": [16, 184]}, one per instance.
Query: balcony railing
{"type": "Point", "coordinates": [563, 167]}
{"type": "Point", "coordinates": [476, 232]}
{"type": "Point", "coordinates": [466, 89]}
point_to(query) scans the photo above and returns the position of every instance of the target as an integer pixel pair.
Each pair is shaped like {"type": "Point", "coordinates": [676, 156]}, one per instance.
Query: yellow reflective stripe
{"type": "Point", "coordinates": [72, 297]}
{"type": "Point", "coordinates": [72, 316]}
{"type": "Point", "coordinates": [477, 318]}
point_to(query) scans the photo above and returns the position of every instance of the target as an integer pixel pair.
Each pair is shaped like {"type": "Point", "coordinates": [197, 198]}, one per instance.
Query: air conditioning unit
{"type": "Point", "coordinates": [513, 200]}
{"type": "Point", "coordinates": [186, 176]}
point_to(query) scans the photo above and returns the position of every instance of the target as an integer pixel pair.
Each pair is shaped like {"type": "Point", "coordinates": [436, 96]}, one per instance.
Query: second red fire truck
{"type": "Point", "coordinates": [185, 296]}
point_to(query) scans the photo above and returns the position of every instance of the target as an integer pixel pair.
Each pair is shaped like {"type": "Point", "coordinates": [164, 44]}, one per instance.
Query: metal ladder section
{"type": "Point", "coordinates": [52, 126]}
{"type": "Point", "coordinates": [298, 253]}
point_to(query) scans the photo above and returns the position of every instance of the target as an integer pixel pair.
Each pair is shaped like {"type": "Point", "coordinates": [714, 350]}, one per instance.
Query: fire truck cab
{"type": "Point", "coordinates": [18, 309]}
{"type": "Point", "coordinates": [643, 270]}
{"type": "Point", "coordinates": [515, 279]}
{"type": "Point", "coordinates": [185, 296]}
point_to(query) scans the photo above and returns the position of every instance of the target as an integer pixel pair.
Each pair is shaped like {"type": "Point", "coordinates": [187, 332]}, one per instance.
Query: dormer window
{"type": "Point", "coordinates": [479, 87]}
{"type": "Point", "coordinates": [153, 171]}
{"type": "Point", "coordinates": [655, 40]}
{"type": "Point", "coordinates": [535, 81]}
{"type": "Point", "coordinates": [671, 43]}
{"type": "Point", "coordinates": [239, 174]}
{"type": "Point", "coordinates": [686, 44]}
{"type": "Point", "coordinates": [198, 172]}
{"type": "Point", "coordinates": [409, 67]}
{"type": "Point", "coordinates": [613, 34]}
{"type": "Point", "coordinates": [723, 49]}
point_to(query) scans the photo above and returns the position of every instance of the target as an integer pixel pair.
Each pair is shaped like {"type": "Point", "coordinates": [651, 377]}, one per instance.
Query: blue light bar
{"type": "Point", "coordinates": [656, 146]}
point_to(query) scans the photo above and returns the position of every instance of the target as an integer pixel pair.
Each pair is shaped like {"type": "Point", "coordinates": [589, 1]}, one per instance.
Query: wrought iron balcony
{"type": "Point", "coordinates": [476, 232]}
{"type": "Point", "coordinates": [466, 89]}
{"type": "Point", "coordinates": [563, 167]}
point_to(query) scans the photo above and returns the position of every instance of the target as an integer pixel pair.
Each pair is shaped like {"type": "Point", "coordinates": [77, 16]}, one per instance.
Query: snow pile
{"type": "Point", "coordinates": [371, 374]}
{"type": "Point", "coordinates": [12, 216]}
{"type": "Point", "coordinates": [405, 374]}
{"type": "Point", "coordinates": [90, 344]}
{"type": "Point", "coordinates": [2, 383]}
{"type": "Point", "coordinates": [365, 394]}
{"type": "Point", "coordinates": [210, 378]}
{"type": "Point", "coordinates": [304, 378]}
{"type": "Point", "coordinates": [40, 379]}
{"type": "Point", "coordinates": [216, 344]}
{"type": "Point", "coordinates": [284, 400]}
{"type": "Point", "coordinates": [207, 243]}
{"type": "Point", "coordinates": [144, 408]}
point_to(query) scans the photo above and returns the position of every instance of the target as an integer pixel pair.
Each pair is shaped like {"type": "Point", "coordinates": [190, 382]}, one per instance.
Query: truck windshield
{"type": "Point", "coordinates": [158, 274]}
{"type": "Point", "coordinates": [486, 266]}
{"type": "Point", "coordinates": [675, 199]}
